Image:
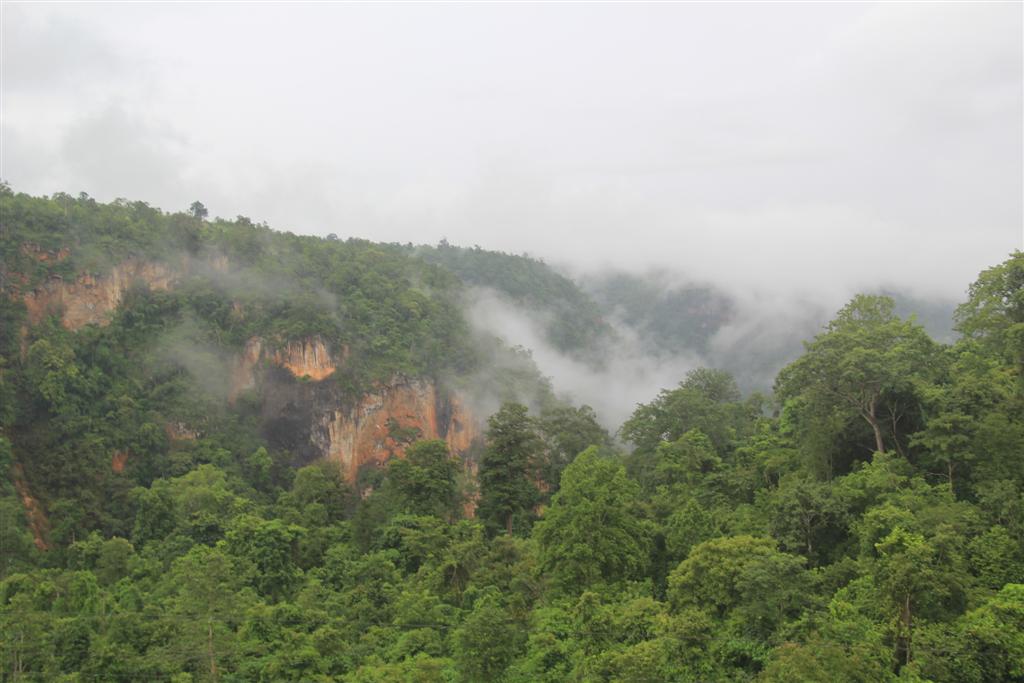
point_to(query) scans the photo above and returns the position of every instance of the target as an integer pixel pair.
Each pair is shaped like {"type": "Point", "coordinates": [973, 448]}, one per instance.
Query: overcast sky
{"type": "Point", "coordinates": [782, 146]}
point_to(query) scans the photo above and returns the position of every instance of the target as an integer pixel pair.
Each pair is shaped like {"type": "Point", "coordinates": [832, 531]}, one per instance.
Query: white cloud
{"type": "Point", "coordinates": [780, 147]}
{"type": "Point", "coordinates": [630, 375]}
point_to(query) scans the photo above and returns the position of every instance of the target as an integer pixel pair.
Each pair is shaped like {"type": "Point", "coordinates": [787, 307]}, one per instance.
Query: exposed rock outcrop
{"type": "Point", "coordinates": [311, 418]}
{"type": "Point", "coordinates": [179, 431]}
{"type": "Point", "coordinates": [118, 461]}
{"type": "Point", "coordinates": [383, 423]}
{"type": "Point", "coordinates": [93, 299]}
{"type": "Point", "coordinates": [308, 358]}
{"type": "Point", "coordinates": [45, 255]}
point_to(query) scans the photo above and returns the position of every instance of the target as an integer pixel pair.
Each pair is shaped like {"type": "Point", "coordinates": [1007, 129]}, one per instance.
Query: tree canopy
{"type": "Point", "coordinates": [865, 523]}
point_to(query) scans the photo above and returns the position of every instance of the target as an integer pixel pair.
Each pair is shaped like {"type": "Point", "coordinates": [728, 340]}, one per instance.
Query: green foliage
{"type": "Point", "coordinates": [994, 310]}
{"type": "Point", "coordinates": [672, 318]}
{"type": "Point", "coordinates": [190, 539]}
{"type": "Point", "coordinates": [707, 400]}
{"type": "Point", "coordinates": [566, 432]}
{"type": "Point", "coordinates": [488, 640]}
{"type": "Point", "coordinates": [270, 547]}
{"type": "Point", "coordinates": [507, 488]}
{"type": "Point", "coordinates": [804, 514]}
{"type": "Point", "coordinates": [425, 482]}
{"type": "Point", "coordinates": [867, 365]}
{"type": "Point", "coordinates": [742, 579]}
{"type": "Point", "coordinates": [593, 531]}
{"type": "Point", "coordinates": [985, 644]}
{"type": "Point", "coordinates": [574, 320]}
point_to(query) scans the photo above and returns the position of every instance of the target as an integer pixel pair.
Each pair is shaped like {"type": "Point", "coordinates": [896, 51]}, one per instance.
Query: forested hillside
{"type": "Point", "coordinates": [236, 454]}
{"type": "Point", "coordinates": [659, 316]}
{"type": "Point", "coordinates": [573, 322]}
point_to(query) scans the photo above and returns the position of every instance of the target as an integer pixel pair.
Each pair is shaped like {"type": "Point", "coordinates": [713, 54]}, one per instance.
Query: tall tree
{"type": "Point", "coordinates": [507, 489]}
{"type": "Point", "coordinates": [567, 432]}
{"type": "Point", "coordinates": [994, 310]}
{"type": "Point", "coordinates": [707, 400]}
{"type": "Point", "coordinates": [865, 365]}
{"type": "Point", "coordinates": [425, 481]}
{"type": "Point", "coordinates": [593, 531]}
{"type": "Point", "coordinates": [741, 575]}
{"type": "Point", "coordinates": [197, 210]}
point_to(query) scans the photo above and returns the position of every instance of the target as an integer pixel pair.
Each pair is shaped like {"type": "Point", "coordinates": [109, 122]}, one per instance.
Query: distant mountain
{"type": "Point", "coordinates": [659, 315]}
{"type": "Point", "coordinates": [573, 322]}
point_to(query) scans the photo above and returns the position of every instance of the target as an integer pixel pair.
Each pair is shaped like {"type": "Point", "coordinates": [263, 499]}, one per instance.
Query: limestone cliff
{"type": "Point", "coordinates": [118, 460]}
{"type": "Point", "coordinates": [308, 358]}
{"type": "Point", "coordinates": [301, 411]}
{"type": "Point", "coordinates": [93, 299]}
{"type": "Point", "coordinates": [385, 421]}
{"type": "Point", "coordinates": [179, 431]}
{"type": "Point", "coordinates": [309, 416]}
{"type": "Point", "coordinates": [45, 255]}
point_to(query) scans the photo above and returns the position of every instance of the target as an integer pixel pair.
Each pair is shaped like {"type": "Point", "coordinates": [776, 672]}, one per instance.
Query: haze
{"type": "Point", "coordinates": [777, 147]}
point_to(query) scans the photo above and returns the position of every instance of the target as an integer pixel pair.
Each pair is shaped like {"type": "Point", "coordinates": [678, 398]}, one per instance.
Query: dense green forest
{"type": "Point", "coordinates": [574, 321]}
{"type": "Point", "coordinates": [863, 522]}
{"type": "Point", "coordinates": [659, 316]}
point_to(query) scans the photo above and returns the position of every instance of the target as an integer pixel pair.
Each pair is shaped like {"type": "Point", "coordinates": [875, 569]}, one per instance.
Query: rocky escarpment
{"type": "Point", "coordinates": [306, 413]}
{"type": "Point", "coordinates": [304, 359]}
{"type": "Point", "coordinates": [302, 410]}
{"type": "Point", "coordinates": [45, 255]}
{"type": "Point", "coordinates": [309, 359]}
{"type": "Point", "coordinates": [92, 299]}
{"type": "Point", "coordinates": [384, 422]}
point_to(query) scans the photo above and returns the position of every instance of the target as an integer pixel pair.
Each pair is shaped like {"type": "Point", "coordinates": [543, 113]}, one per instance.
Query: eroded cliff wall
{"type": "Point", "coordinates": [303, 411]}
{"type": "Point", "coordinates": [309, 358]}
{"type": "Point", "coordinates": [38, 523]}
{"type": "Point", "coordinates": [92, 299]}
{"type": "Point", "coordinates": [384, 422]}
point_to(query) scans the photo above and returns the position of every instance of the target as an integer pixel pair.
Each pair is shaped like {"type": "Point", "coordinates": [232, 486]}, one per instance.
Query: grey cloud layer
{"type": "Point", "coordinates": [777, 147]}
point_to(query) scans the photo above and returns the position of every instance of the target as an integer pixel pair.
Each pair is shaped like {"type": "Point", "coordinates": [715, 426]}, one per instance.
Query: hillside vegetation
{"type": "Point", "coordinates": [166, 514]}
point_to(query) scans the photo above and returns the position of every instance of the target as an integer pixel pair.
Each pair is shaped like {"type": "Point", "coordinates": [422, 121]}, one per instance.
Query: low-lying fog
{"type": "Point", "coordinates": [760, 335]}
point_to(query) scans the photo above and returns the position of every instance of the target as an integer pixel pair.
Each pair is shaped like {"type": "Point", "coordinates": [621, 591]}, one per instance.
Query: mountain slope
{"type": "Point", "coordinates": [139, 345]}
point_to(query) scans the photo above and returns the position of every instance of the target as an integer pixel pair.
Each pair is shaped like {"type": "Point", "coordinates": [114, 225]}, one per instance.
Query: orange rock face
{"type": "Point", "coordinates": [379, 426]}
{"type": "Point", "coordinates": [91, 299]}
{"type": "Point", "coordinates": [307, 358]}
{"type": "Point", "coordinates": [366, 433]}
{"type": "Point", "coordinates": [118, 461]}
